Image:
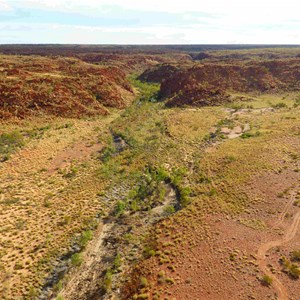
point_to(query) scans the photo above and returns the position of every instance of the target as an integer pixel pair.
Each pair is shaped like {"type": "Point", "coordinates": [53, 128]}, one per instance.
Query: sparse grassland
{"type": "Point", "coordinates": [219, 176]}
{"type": "Point", "coordinates": [189, 195]}
{"type": "Point", "coordinates": [254, 101]}
{"type": "Point", "coordinates": [163, 146]}
{"type": "Point", "coordinates": [44, 211]}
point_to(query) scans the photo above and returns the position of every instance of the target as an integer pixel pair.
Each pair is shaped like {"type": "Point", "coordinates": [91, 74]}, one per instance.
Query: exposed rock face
{"type": "Point", "coordinates": [159, 73]}
{"type": "Point", "coordinates": [198, 95]}
{"type": "Point", "coordinates": [201, 55]}
{"type": "Point", "coordinates": [209, 84]}
{"type": "Point", "coordinates": [133, 62]}
{"type": "Point", "coordinates": [61, 86]}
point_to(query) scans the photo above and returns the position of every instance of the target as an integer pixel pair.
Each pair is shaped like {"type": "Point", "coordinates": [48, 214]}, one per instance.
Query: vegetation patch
{"type": "Point", "coordinates": [253, 223]}
{"type": "Point", "coordinates": [9, 143]}
{"type": "Point", "coordinates": [266, 280]}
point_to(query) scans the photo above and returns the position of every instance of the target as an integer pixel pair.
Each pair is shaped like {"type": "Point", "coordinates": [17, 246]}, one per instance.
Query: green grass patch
{"type": "Point", "coordinates": [148, 91]}
{"type": "Point", "coordinates": [9, 143]}
{"type": "Point", "coordinates": [76, 259]}
{"type": "Point", "coordinates": [86, 236]}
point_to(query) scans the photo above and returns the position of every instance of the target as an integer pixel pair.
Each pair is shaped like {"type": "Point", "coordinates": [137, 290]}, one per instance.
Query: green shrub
{"type": "Point", "coordinates": [107, 282]}
{"type": "Point", "coordinates": [161, 174]}
{"type": "Point", "coordinates": [169, 210]}
{"type": "Point", "coordinates": [149, 252]}
{"type": "Point", "coordinates": [143, 282]}
{"type": "Point", "coordinates": [247, 135]}
{"type": "Point", "coordinates": [290, 268]}
{"type": "Point", "coordinates": [120, 208]}
{"type": "Point", "coordinates": [58, 286]}
{"type": "Point", "coordinates": [204, 179]}
{"type": "Point", "coordinates": [212, 192]}
{"type": "Point", "coordinates": [177, 176]}
{"type": "Point", "coordinates": [279, 105]}
{"type": "Point", "coordinates": [294, 271]}
{"type": "Point", "coordinates": [134, 206]}
{"type": "Point", "coordinates": [85, 238]}
{"type": "Point", "coordinates": [117, 262]}
{"type": "Point", "coordinates": [107, 153]}
{"type": "Point", "coordinates": [162, 193]}
{"type": "Point", "coordinates": [266, 280]}
{"type": "Point", "coordinates": [184, 196]}
{"type": "Point", "coordinates": [169, 280]}
{"type": "Point", "coordinates": [76, 259]}
{"type": "Point", "coordinates": [295, 255]}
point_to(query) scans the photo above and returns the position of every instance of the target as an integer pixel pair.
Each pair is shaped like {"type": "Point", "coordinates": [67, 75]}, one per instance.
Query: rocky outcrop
{"type": "Point", "coordinates": [62, 86]}
{"type": "Point", "coordinates": [159, 73]}
{"type": "Point", "coordinates": [211, 83]}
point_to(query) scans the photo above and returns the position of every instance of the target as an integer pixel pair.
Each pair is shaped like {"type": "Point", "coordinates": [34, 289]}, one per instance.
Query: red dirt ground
{"type": "Point", "coordinates": [217, 258]}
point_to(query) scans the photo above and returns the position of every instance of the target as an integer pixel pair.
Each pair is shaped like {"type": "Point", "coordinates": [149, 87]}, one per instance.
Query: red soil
{"type": "Point", "coordinates": [215, 257]}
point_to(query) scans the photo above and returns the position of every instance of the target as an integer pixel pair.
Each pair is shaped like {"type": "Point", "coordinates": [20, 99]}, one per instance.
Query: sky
{"type": "Point", "coordinates": [150, 21]}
